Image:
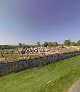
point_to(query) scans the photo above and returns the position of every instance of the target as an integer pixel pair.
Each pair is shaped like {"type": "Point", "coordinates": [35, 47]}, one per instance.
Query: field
{"type": "Point", "coordinates": [16, 56]}
{"type": "Point", "coordinates": [21, 56]}
{"type": "Point", "coordinates": [55, 77]}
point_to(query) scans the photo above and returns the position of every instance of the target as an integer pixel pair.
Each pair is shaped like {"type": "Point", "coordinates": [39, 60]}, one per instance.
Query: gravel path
{"type": "Point", "coordinates": [75, 87]}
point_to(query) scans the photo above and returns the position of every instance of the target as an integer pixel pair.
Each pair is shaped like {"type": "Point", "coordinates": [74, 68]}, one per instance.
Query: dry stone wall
{"type": "Point", "coordinates": [16, 66]}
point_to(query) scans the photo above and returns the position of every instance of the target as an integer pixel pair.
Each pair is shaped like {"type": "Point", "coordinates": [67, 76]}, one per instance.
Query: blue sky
{"type": "Point", "coordinates": [29, 21]}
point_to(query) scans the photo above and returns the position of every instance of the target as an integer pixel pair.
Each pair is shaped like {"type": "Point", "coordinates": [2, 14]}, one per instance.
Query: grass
{"type": "Point", "coordinates": [55, 77]}
{"type": "Point", "coordinates": [16, 56]}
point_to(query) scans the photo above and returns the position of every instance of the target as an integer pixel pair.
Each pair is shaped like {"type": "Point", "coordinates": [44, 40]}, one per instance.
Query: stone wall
{"type": "Point", "coordinates": [16, 66]}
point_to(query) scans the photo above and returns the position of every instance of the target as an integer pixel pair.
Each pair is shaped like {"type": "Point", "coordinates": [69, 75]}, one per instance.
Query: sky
{"type": "Point", "coordinates": [29, 21]}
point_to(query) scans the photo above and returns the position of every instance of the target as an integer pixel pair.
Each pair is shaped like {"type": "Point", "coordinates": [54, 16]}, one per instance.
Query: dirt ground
{"type": "Point", "coordinates": [75, 87]}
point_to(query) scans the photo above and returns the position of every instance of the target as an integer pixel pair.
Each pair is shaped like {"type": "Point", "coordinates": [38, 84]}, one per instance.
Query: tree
{"type": "Point", "coordinates": [72, 44]}
{"type": "Point", "coordinates": [55, 44]}
{"type": "Point", "coordinates": [23, 45]}
{"type": "Point", "coordinates": [50, 44]}
{"type": "Point", "coordinates": [38, 44]}
{"type": "Point", "coordinates": [20, 45]}
{"type": "Point", "coordinates": [67, 42]}
{"type": "Point", "coordinates": [78, 43]}
{"type": "Point", "coordinates": [45, 44]}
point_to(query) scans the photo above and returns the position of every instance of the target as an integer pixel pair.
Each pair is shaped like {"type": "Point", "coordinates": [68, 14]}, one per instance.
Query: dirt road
{"type": "Point", "coordinates": [75, 87]}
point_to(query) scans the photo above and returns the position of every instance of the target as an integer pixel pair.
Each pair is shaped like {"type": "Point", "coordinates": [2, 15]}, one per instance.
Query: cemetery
{"type": "Point", "coordinates": [41, 56]}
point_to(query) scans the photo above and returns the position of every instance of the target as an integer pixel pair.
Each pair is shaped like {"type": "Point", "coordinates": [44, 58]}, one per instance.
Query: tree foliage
{"type": "Point", "coordinates": [20, 45]}
{"type": "Point", "coordinates": [78, 43]}
{"type": "Point", "coordinates": [67, 42]}
{"type": "Point", "coordinates": [73, 44]}
{"type": "Point", "coordinates": [50, 44]}
{"type": "Point", "coordinates": [45, 44]}
{"type": "Point", "coordinates": [38, 44]}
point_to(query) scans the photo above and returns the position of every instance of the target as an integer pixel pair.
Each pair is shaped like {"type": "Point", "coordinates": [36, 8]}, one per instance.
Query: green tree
{"type": "Point", "coordinates": [67, 42]}
{"type": "Point", "coordinates": [73, 44]}
{"type": "Point", "coordinates": [78, 43]}
{"type": "Point", "coordinates": [45, 44]}
{"type": "Point", "coordinates": [38, 44]}
{"type": "Point", "coordinates": [23, 45]}
{"type": "Point", "coordinates": [50, 44]}
{"type": "Point", "coordinates": [55, 44]}
{"type": "Point", "coordinates": [20, 45]}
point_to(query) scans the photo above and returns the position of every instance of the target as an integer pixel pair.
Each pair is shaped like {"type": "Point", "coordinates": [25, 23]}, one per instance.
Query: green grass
{"type": "Point", "coordinates": [16, 56]}
{"type": "Point", "coordinates": [55, 77]}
